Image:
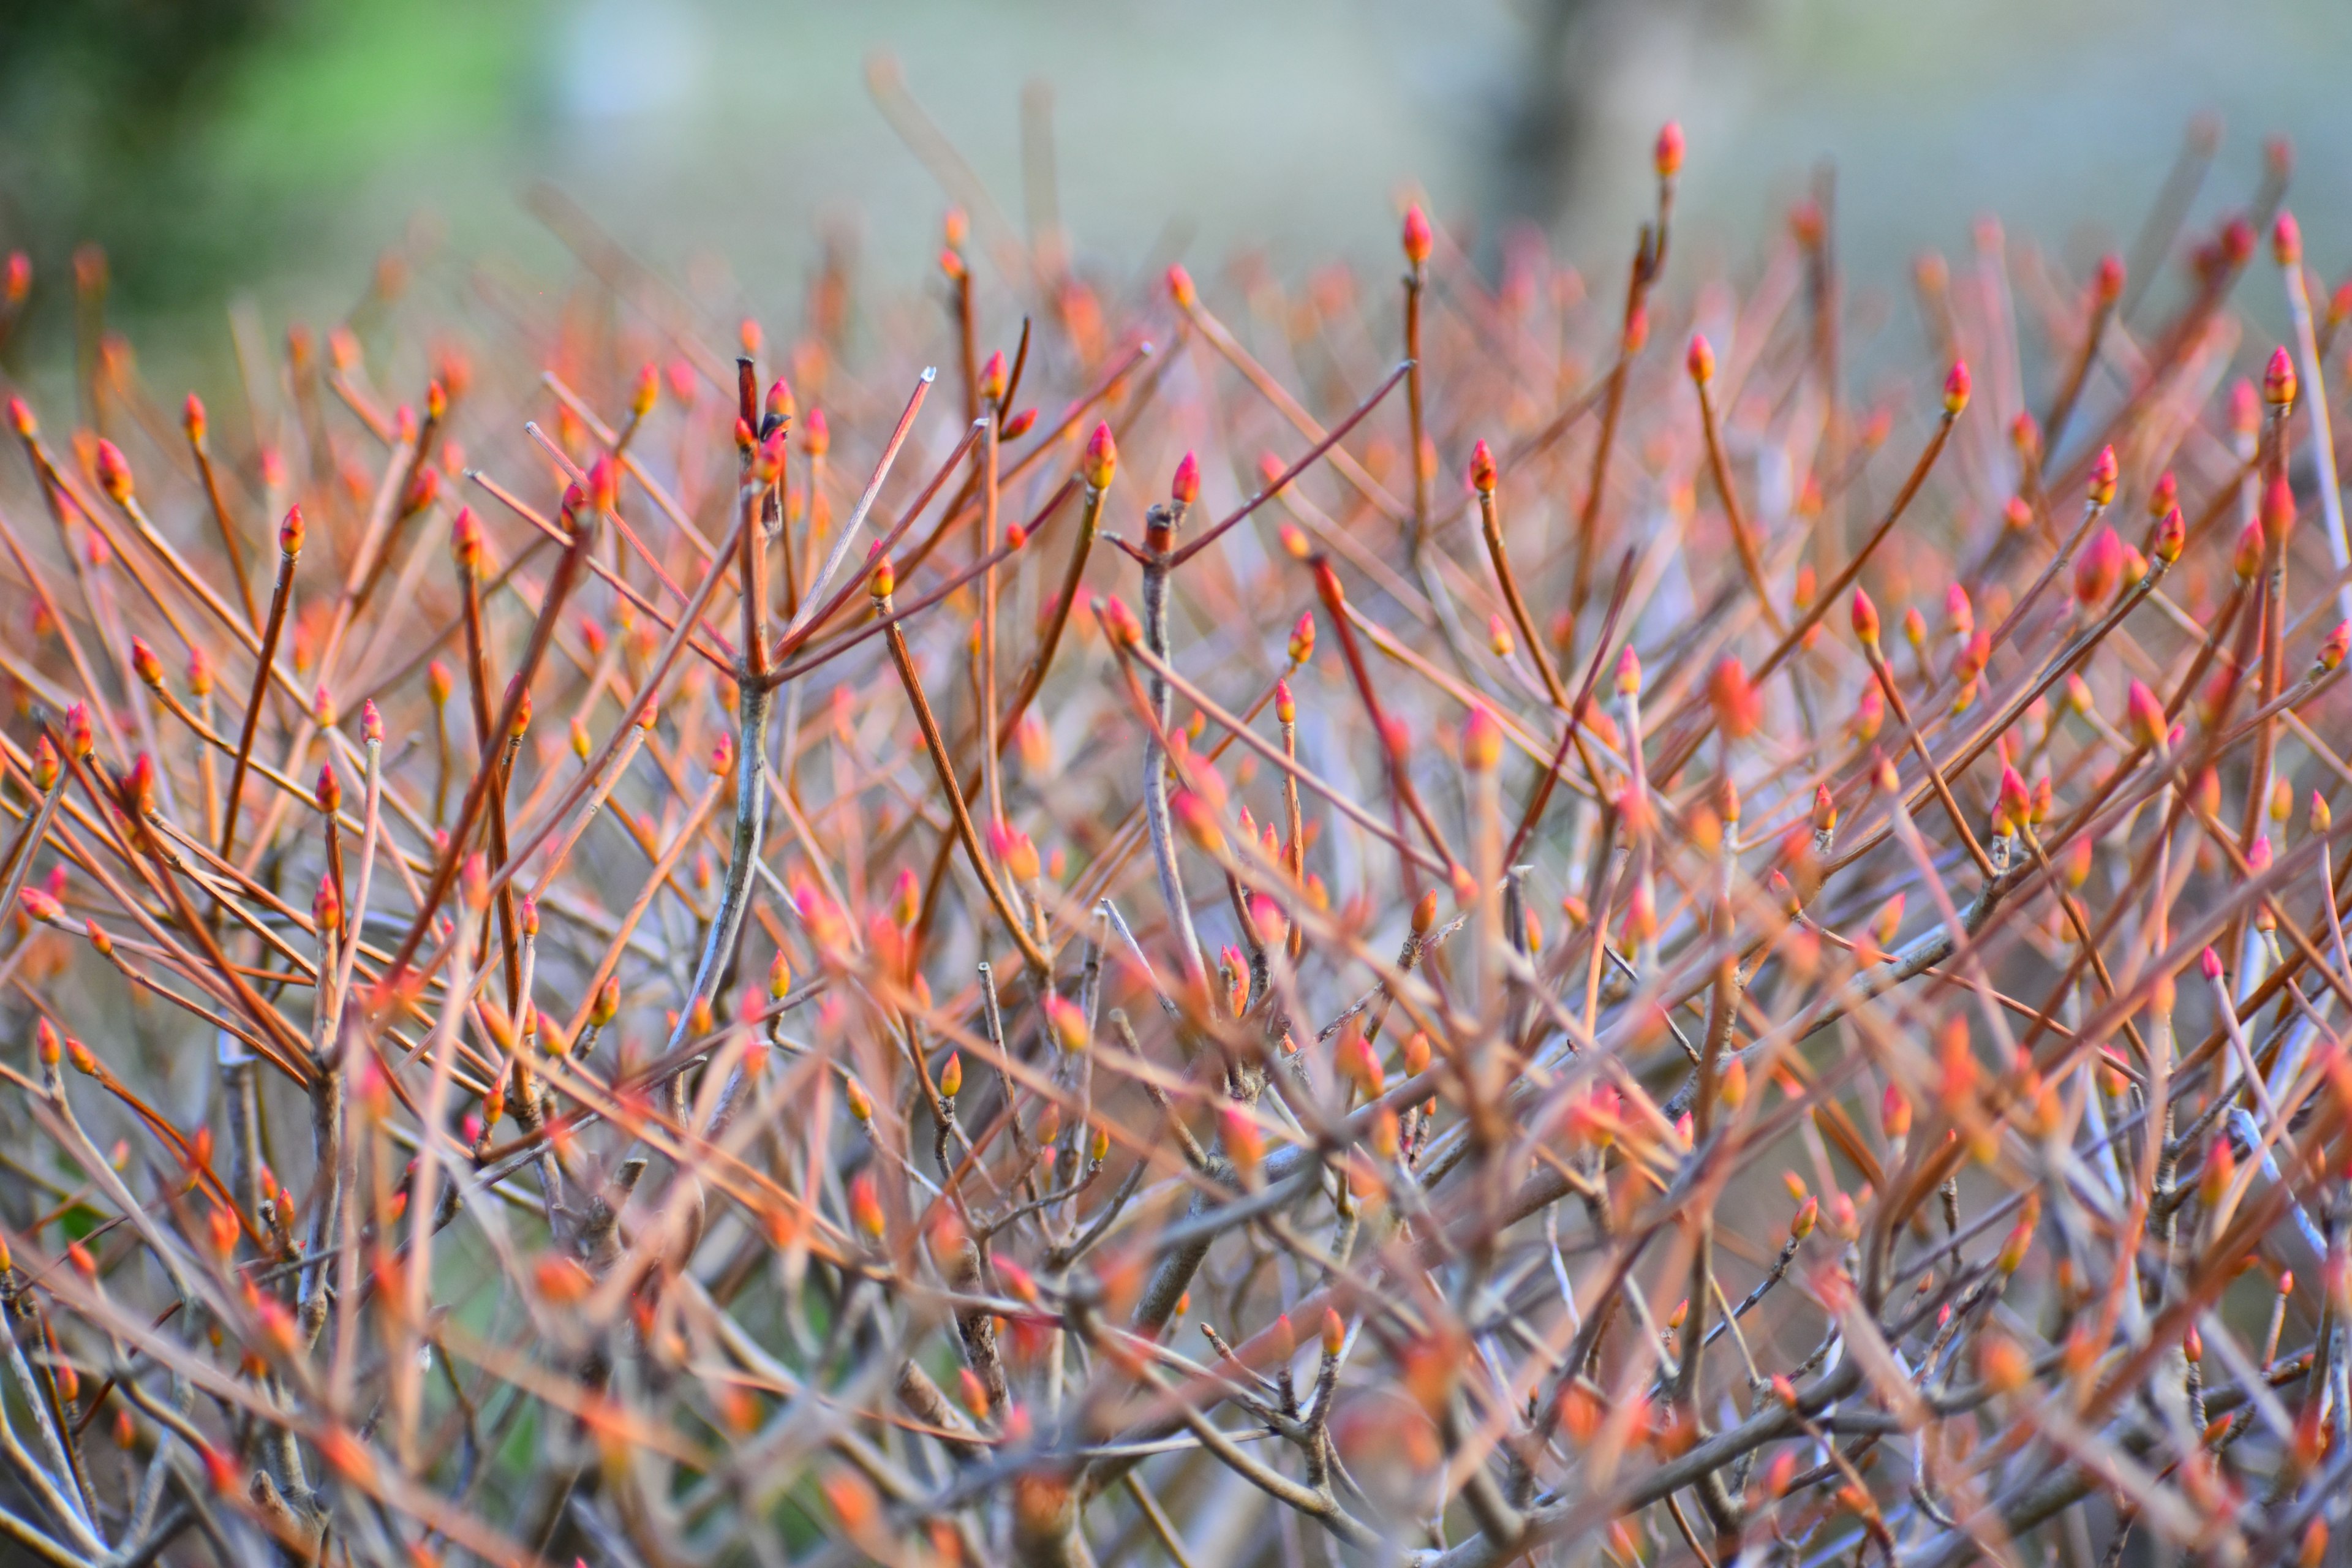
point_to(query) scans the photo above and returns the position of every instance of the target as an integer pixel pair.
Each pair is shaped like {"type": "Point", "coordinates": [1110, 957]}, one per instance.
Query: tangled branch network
{"type": "Point", "coordinates": [668, 956]}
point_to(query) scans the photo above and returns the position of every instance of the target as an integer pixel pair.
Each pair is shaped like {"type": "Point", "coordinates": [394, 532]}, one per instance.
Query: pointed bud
{"type": "Point", "coordinates": [473, 883]}
{"type": "Point", "coordinates": [2107, 281]}
{"type": "Point", "coordinates": [2286, 239]}
{"type": "Point", "coordinates": [1185, 489]}
{"type": "Point", "coordinates": [143, 662]}
{"type": "Point", "coordinates": [1629, 671]}
{"type": "Point", "coordinates": [1482, 741]}
{"type": "Point", "coordinates": [2221, 1167]}
{"type": "Point", "coordinates": [1302, 638]}
{"type": "Point", "coordinates": [2103, 477]}
{"type": "Point", "coordinates": [466, 540]}
{"type": "Point", "coordinates": [1959, 614]}
{"type": "Point", "coordinates": [865, 1206]}
{"type": "Point", "coordinates": [2246, 559]}
{"type": "Point", "coordinates": [2098, 569]}
{"type": "Point", "coordinates": [1068, 1023]}
{"type": "Point", "coordinates": [2015, 806]}
{"type": "Point", "coordinates": [1826, 811]}
{"type": "Point", "coordinates": [1700, 360]}
{"type": "Point", "coordinates": [2145, 716]}
{"type": "Point", "coordinates": [138, 786]}
{"type": "Point", "coordinates": [1101, 459]}
{"type": "Point", "coordinates": [1739, 707]}
{"type": "Point", "coordinates": [2278, 379]}
{"type": "Point", "coordinates": [1482, 469]}
{"type": "Point", "coordinates": [2331, 652]}
{"type": "Point", "coordinates": [327, 908]}
{"type": "Point", "coordinates": [1666, 156]}
{"type": "Point", "coordinates": [80, 739]}
{"type": "Point", "coordinates": [1866, 619]}
{"type": "Point", "coordinates": [114, 472]}
{"type": "Point", "coordinates": [2278, 510]}
{"type": "Point", "coordinates": [1956, 389]}
{"type": "Point", "coordinates": [1244, 1145]}
{"type": "Point", "coordinates": [604, 484]}
{"type": "Point", "coordinates": [1895, 1113]}
{"type": "Point", "coordinates": [2171, 537]}
{"type": "Point", "coordinates": [1416, 236]}
{"type": "Point", "coordinates": [329, 791]}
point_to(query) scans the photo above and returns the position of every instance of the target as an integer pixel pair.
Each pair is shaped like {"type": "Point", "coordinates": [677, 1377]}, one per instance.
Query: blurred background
{"type": "Point", "coordinates": [272, 148]}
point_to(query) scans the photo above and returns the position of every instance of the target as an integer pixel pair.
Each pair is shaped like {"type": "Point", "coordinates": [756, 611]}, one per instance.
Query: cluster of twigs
{"type": "Point", "coordinates": [616, 964]}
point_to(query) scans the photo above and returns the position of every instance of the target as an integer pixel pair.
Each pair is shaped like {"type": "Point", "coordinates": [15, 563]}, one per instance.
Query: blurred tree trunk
{"type": "Point", "coordinates": [1592, 83]}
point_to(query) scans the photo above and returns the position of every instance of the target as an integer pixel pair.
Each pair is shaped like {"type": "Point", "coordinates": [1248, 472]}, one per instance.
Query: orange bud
{"type": "Point", "coordinates": [2278, 378]}
{"type": "Point", "coordinates": [466, 540]}
{"type": "Point", "coordinates": [865, 1206]}
{"type": "Point", "coordinates": [2171, 537]}
{"type": "Point", "coordinates": [1482, 741]}
{"type": "Point", "coordinates": [1302, 638]}
{"type": "Point", "coordinates": [113, 471]}
{"type": "Point", "coordinates": [2004, 1366]}
{"type": "Point", "coordinates": [2278, 508]}
{"type": "Point", "coordinates": [1101, 459]}
{"type": "Point", "coordinates": [1866, 619]}
{"type": "Point", "coordinates": [2107, 282]}
{"type": "Point", "coordinates": [2103, 477]}
{"type": "Point", "coordinates": [1416, 236]}
{"type": "Point", "coordinates": [2016, 802]}
{"type": "Point", "coordinates": [1700, 359]}
{"type": "Point", "coordinates": [1068, 1022]}
{"type": "Point", "coordinates": [1244, 1145]}
{"type": "Point", "coordinates": [2099, 568]}
{"type": "Point", "coordinates": [2246, 559]}
{"type": "Point", "coordinates": [1666, 156]}
{"type": "Point", "coordinates": [1739, 707]}
{"type": "Point", "coordinates": [2331, 652]}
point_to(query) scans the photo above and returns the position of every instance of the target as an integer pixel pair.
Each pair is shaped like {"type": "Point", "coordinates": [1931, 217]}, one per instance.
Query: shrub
{"type": "Point", "coordinates": [656, 960]}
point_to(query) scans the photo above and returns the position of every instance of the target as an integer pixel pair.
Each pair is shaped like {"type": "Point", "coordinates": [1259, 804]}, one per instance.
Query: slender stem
{"type": "Point", "coordinates": [281, 594]}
